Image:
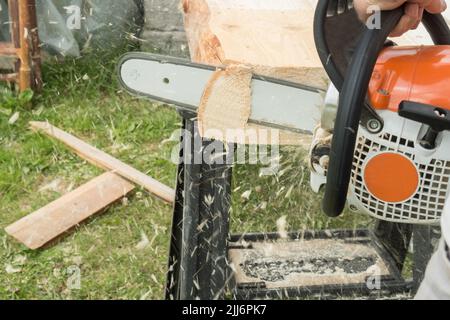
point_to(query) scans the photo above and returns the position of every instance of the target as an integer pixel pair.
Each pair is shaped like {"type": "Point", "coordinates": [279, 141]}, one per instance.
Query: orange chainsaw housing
{"type": "Point", "coordinates": [419, 74]}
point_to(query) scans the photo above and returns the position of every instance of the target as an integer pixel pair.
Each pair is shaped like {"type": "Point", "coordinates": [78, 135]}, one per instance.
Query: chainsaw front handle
{"type": "Point", "coordinates": [353, 97]}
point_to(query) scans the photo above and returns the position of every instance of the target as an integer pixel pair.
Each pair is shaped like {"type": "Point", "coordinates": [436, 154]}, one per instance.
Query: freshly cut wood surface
{"type": "Point", "coordinates": [49, 222]}
{"type": "Point", "coordinates": [104, 160]}
{"type": "Point", "coordinates": [274, 36]}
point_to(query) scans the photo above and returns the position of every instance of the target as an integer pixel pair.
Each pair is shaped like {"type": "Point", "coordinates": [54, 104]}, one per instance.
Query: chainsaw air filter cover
{"type": "Point", "coordinates": [394, 178]}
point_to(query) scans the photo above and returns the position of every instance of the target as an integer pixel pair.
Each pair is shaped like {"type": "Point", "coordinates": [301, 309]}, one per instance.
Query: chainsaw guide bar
{"type": "Point", "coordinates": [276, 103]}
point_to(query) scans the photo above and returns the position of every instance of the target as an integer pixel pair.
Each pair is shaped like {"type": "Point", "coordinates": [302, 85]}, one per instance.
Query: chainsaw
{"type": "Point", "coordinates": [389, 152]}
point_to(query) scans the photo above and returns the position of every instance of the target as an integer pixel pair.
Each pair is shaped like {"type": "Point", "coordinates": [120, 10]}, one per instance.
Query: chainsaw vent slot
{"type": "Point", "coordinates": [394, 139]}
{"type": "Point", "coordinates": [426, 206]}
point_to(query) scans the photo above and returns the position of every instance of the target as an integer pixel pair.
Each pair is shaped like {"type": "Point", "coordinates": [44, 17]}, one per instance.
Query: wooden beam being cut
{"type": "Point", "coordinates": [276, 37]}
{"type": "Point", "coordinates": [105, 161]}
{"type": "Point", "coordinates": [49, 222]}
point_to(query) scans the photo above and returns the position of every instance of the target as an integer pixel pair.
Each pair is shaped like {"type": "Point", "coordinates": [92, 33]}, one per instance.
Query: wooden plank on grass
{"type": "Point", "coordinates": [49, 222]}
{"type": "Point", "coordinates": [105, 161]}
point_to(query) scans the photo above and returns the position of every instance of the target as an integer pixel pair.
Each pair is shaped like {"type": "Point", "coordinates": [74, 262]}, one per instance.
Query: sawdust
{"type": "Point", "coordinates": [273, 271]}
{"type": "Point", "coordinates": [307, 262]}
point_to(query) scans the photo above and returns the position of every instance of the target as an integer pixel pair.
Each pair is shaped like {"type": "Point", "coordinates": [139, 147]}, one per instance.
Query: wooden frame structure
{"type": "Point", "coordinates": [24, 46]}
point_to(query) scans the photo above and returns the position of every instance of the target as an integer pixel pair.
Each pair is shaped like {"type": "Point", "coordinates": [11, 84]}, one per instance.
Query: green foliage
{"type": "Point", "coordinates": [91, 75]}
{"type": "Point", "coordinates": [10, 100]}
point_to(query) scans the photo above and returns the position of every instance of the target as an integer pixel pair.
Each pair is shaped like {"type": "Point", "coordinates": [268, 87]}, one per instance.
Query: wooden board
{"type": "Point", "coordinates": [105, 161]}
{"type": "Point", "coordinates": [49, 222]}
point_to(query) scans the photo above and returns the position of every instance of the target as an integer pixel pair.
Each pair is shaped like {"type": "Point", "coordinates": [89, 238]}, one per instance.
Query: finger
{"type": "Point", "coordinates": [388, 5]}
{"type": "Point", "coordinates": [409, 20]}
{"type": "Point", "coordinates": [364, 8]}
{"type": "Point", "coordinates": [420, 18]}
{"type": "Point", "coordinates": [436, 6]}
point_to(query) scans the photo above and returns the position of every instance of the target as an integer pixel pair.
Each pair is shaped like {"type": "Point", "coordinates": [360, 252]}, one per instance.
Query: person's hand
{"type": "Point", "coordinates": [413, 11]}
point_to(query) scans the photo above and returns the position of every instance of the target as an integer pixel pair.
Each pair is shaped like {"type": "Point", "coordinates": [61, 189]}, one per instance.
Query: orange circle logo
{"type": "Point", "coordinates": [391, 177]}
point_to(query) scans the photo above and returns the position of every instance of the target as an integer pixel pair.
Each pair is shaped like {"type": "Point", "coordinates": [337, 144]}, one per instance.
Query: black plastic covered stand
{"type": "Point", "coordinates": [198, 254]}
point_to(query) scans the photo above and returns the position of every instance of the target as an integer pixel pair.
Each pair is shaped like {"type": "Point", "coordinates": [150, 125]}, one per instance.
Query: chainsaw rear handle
{"type": "Point", "coordinates": [352, 98]}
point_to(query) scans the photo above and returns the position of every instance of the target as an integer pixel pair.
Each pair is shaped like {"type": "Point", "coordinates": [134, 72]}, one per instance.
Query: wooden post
{"type": "Point", "coordinates": [15, 36]}
{"type": "Point", "coordinates": [35, 52]}
{"type": "Point", "coordinates": [24, 51]}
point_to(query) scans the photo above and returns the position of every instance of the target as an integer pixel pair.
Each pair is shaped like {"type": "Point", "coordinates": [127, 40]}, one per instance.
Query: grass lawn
{"type": "Point", "coordinates": [82, 97]}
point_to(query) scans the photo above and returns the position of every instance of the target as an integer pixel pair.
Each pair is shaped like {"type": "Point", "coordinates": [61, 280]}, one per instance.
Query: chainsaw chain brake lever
{"type": "Point", "coordinates": [438, 120]}
{"type": "Point", "coordinates": [352, 98]}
